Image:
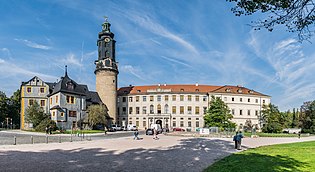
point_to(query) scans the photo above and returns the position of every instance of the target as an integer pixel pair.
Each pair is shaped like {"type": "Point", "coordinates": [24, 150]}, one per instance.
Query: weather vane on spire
{"type": "Point", "coordinates": [106, 18]}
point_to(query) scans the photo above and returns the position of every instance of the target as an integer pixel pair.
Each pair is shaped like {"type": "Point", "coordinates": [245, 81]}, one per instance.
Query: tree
{"type": "Point", "coordinates": [308, 117]}
{"type": "Point", "coordinates": [271, 117]}
{"type": "Point", "coordinates": [218, 114]}
{"type": "Point", "coordinates": [3, 106]}
{"type": "Point", "coordinates": [248, 125]}
{"type": "Point", "coordinates": [35, 114]}
{"type": "Point", "coordinates": [14, 106]}
{"type": "Point", "coordinates": [295, 119]}
{"type": "Point", "coordinates": [97, 114]}
{"type": "Point", "coordinates": [297, 15]}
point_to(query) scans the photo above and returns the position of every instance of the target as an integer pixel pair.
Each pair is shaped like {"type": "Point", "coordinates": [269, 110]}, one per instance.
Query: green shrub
{"type": "Point", "coordinates": [46, 123]}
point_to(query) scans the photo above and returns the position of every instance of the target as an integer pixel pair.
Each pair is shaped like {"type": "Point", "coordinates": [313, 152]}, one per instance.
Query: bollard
{"type": "Point", "coordinates": [14, 140]}
{"type": "Point", "coordinates": [47, 139]}
{"type": "Point", "coordinates": [59, 139]}
{"type": "Point", "coordinates": [83, 135]}
{"type": "Point", "coordinates": [71, 138]}
{"type": "Point", "coordinates": [32, 140]}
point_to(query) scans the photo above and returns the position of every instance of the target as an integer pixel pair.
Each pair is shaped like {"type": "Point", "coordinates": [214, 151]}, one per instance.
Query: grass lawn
{"type": "Point", "coordinates": [276, 135]}
{"type": "Point", "coordinates": [295, 157]}
{"type": "Point", "coordinates": [80, 131]}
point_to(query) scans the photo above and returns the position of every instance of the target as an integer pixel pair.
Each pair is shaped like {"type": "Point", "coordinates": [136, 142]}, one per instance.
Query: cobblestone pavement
{"type": "Point", "coordinates": [169, 153]}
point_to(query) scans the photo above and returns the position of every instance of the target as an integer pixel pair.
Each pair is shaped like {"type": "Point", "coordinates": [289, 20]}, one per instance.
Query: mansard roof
{"type": "Point", "coordinates": [67, 85]}
{"type": "Point", "coordinates": [192, 89]}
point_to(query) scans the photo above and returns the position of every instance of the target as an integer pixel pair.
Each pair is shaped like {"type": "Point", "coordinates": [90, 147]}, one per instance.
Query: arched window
{"type": "Point", "coordinates": [107, 63]}
{"type": "Point", "coordinates": [151, 109]}
{"type": "Point", "coordinates": [159, 111]}
{"type": "Point", "coordinates": [166, 108]}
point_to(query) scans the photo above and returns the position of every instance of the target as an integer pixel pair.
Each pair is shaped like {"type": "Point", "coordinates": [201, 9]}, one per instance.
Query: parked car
{"type": "Point", "coordinates": [111, 129]}
{"type": "Point", "coordinates": [131, 127]}
{"type": "Point", "coordinates": [149, 131]}
{"type": "Point", "coordinates": [178, 129]}
{"type": "Point", "coordinates": [117, 127]}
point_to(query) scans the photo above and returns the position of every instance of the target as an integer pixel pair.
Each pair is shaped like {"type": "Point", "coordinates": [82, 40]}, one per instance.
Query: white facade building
{"type": "Point", "coordinates": [183, 106]}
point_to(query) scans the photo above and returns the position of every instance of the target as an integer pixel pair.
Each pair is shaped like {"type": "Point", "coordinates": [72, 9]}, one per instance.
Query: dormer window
{"type": "Point", "coordinates": [239, 91]}
{"type": "Point", "coordinates": [228, 90]}
{"type": "Point", "coordinates": [251, 91]}
{"type": "Point", "coordinates": [70, 86]}
{"type": "Point", "coordinates": [181, 90]}
{"type": "Point", "coordinates": [197, 90]}
{"type": "Point", "coordinates": [139, 91]}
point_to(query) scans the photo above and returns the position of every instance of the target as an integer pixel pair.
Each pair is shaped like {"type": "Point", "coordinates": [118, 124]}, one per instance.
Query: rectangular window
{"type": "Point", "coordinates": [42, 90]}
{"type": "Point", "coordinates": [173, 109]}
{"type": "Point", "coordinates": [62, 114]}
{"type": "Point", "coordinates": [56, 99]}
{"type": "Point", "coordinates": [197, 110]}
{"type": "Point", "coordinates": [256, 100]}
{"type": "Point", "coordinates": [264, 101]}
{"type": "Point", "coordinates": [42, 102]}
{"type": "Point", "coordinates": [241, 99]}
{"type": "Point", "coordinates": [181, 109]}
{"type": "Point", "coordinates": [173, 97]}
{"type": "Point", "coordinates": [137, 110]}
{"type": "Point", "coordinates": [151, 98]}
{"type": "Point", "coordinates": [248, 100]}
{"type": "Point", "coordinates": [144, 110]}
{"type": "Point", "coordinates": [29, 89]}
{"type": "Point", "coordinates": [233, 111]}
{"type": "Point", "coordinates": [204, 98]}
{"type": "Point", "coordinates": [197, 123]}
{"type": "Point", "coordinates": [118, 99]}
{"type": "Point", "coordinates": [248, 112]}
{"type": "Point", "coordinates": [54, 113]}
{"type": "Point", "coordinates": [144, 98]}
{"type": "Point", "coordinates": [181, 97]}
{"type": "Point", "coordinates": [50, 100]}
{"type": "Point", "coordinates": [130, 122]}
{"type": "Point", "coordinates": [166, 98]}
{"type": "Point", "coordinates": [225, 98]}
{"type": "Point", "coordinates": [159, 98]}
{"type": "Point", "coordinates": [181, 123]}
{"type": "Point", "coordinates": [256, 112]}
{"type": "Point", "coordinates": [174, 123]}
{"type": "Point", "coordinates": [130, 99]}
{"type": "Point", "coordinates": [189, 97]}
{"type": "Point", "coordinates": [124, 109]}
{"type": "Point", "coordinates": [189, 109]}
{"type": "Point", "coordinates": [232, 99]}
{"type": "Point", "coordinates": [72, 113]}
{"type": "Point", "coordinates": [30, 102]}
{"type": "Point", "coordinates": [189, 123]}
{"type": "Point", "coordinates": [137, 123]}
{"type": "Point", "coordinates": [241, 112]}
{"type": "Point", "coordinates": [137, 98]}
{"type": "Point", "coordinates": [70, 99]}
{"type": "Point", "coordinates": [124, 99]}
{"type": "Point", "coordinates": [144, 123]}
{"type": "Point", "coordinates": [130, 110]}
{"type": "Point", "coordinates": [197, 98]}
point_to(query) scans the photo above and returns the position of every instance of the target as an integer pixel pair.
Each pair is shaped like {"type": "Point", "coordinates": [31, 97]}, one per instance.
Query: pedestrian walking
{"type": "Point", "coordinates": [299, 135]}
{"type": "Point", "coordinates": [155, 137]}
{"type": "Point", "coordinates": [105, 130]}
{"type": "Point", "coordinates": [136, 133]}
{"type": "Point", "coordinates": [46, 129]}
{"type": "Point", "coordinates": [49, 129]}
{"type": "Point", "coordinates": [239, 137]}
{"type": "Point", "coordinates": [234, 139]}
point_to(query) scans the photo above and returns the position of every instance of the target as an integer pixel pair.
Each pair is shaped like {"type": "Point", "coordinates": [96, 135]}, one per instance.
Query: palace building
{"type": "Point", "coordinates": [180, 106]}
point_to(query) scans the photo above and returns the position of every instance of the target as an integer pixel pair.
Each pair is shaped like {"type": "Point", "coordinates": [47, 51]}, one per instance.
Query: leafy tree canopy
{"type": "Point", "coordinates": [297, 15]}
{"type": "Point", "coordinates": [35, 114]}
{"type": "Point", "coordinates": [218, 114]}
{"type": "Point", "coordinates": [97, 114]}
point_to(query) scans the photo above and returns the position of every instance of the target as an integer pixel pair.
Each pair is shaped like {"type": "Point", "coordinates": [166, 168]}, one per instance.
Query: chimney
{"type": "Point", "coordinates": [197, 84]}
{"type": "Point", "coordinates": [159, 84]}
{"type": "Point", "coordinates": [164, 84]}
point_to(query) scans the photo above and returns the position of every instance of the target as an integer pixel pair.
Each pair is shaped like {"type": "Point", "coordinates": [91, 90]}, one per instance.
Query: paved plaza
{"type": "Point", "coordinates": [169, 153]}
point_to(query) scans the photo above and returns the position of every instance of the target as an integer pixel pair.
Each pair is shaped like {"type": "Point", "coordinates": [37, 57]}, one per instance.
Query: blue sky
{"type": "Point", "coordinates": [172, 42]}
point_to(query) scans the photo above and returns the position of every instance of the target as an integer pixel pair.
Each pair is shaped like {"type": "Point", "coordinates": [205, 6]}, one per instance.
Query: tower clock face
{"type": "Point", "coordinates": [107, 39]}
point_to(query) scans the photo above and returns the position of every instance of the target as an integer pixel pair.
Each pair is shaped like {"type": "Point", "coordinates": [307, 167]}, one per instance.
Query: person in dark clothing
{"type": "Point", "coordinates": [239, 137]}
{"type": "Point", "coordinates": [235, 142]}
{"type": "Point", "coordinates": [136, 133]}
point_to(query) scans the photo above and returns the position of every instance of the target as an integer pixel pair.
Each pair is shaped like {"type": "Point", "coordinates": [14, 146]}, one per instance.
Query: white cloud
{"type": "Point", "coordinates": [33, 44]}
{"type": "Point", "coordinates": [1, 61]}
{"type": "Point", "coordinates": [133, 70]}
{"type": "Point", "coordinates": [176, 61]}
{"type": "Point", "coordinates": [71, 59]}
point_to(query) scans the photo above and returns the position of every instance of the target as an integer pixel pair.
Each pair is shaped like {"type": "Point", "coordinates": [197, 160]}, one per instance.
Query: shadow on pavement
{"type": "Point", "coordinates": [189, 155]}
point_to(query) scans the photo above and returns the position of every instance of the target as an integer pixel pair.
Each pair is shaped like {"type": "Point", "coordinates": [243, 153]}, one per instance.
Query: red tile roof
{"type": "Point", "coordinates": [186, 89]}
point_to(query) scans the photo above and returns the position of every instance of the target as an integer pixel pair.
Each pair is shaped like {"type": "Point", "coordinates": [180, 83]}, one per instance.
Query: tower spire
{"type": "Point", "coordinates": [66, 71]}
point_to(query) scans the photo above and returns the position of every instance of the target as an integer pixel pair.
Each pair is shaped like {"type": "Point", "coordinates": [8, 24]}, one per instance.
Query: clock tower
{"type": "Point", "coordinates": [106, 70]}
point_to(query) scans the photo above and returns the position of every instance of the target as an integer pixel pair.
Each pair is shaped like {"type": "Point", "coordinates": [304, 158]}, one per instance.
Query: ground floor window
{"type": "Point", "coordinates": [182, 124]}
{"type": "Point", "coordinates": [144, 123]}
{"type": "Point", "coordinates": [189, 123]}
{"type": "Point", "coordinates": [137, 123]}
{"type": "Point", "coordinates": [174, 123]}
{"type": "Point", "coordinates": [197, 123]}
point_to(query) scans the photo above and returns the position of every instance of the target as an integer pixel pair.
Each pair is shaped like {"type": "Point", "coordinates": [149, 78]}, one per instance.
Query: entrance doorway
{"type": "Point", "coordinates": [159, 122]}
